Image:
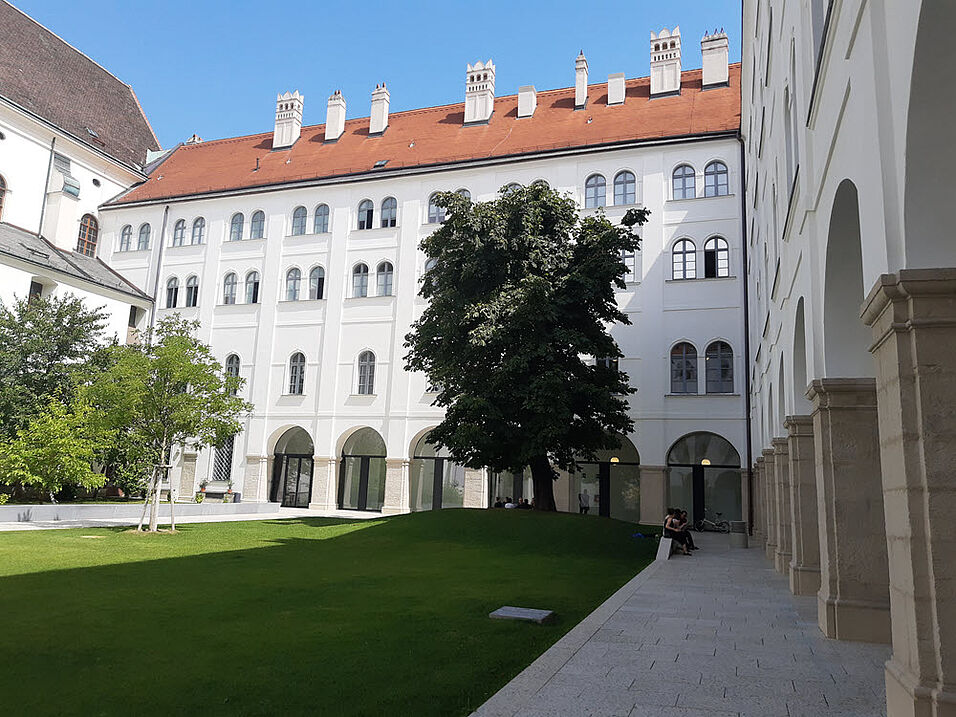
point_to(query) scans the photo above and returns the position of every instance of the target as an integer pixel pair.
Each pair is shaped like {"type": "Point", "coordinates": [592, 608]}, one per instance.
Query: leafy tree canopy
{"type": "Point", "coordinates": [520, 300]}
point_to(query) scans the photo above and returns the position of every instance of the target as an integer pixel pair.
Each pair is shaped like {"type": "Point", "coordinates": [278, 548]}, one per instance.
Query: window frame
{"type": "Point", "coordinates": [293, 283]}
{"type": "Point", "coordinates": [142, 242]}
{"type": "Point", "coordinates": [684, 178]}
{"type": "Point", "coordinates": [365, 375]}
{"type": "Point", "coordinates": [623, 184]}
{"type": "Point", "coordinates": [235, 235]}
{"type": "Point", "coordinates": [300, 215]}
{"type": "Point", "coordinates": [366, 215]}
{"type": "Point", "coordinates": [717, 253]}
{"type": "Point", "coordinates": [192, 291]}
{"type": "Point", "coordinates": [317, 283]}
{"type": "Point", "coordinates": [360, 272]}
{"type": "Point", "coordinates": [257, 223]}
{"type": "Point", "coordinates": [179, 233]}
{"type": "Point", "coordinates": [255, 285]}
{"type": "Point", "coordinates": [685, 258]}
{"type": "Point", "coordinates": [87, 236]}
{"type": "Point", "coordinates": [595, 191]}
{"type": "Point", "coordinates": [720, 172]}
{"type": "Point", "coordinates": [389, 213]}
{"type": "Point", "coordinates": [297, 366]}
{"type": "Point", "coordinates": [435, 214]}
{"type": "Point", "coordinates": [229, 284]}
{"type": "Point", "coordinates": [126, 238]}
{"type": "Point", "coordinates": [200, 224]}
{"type": "Point", "coordinates": [684, 380]}
{"type": "Point", "coordinates": [719, 364]}
{"type": "Point", "coordinates": [326, 216]}
{"type": "Point", "coordinates": [172, 292]}
{"type": "Point", "coordinates": [384, 278]}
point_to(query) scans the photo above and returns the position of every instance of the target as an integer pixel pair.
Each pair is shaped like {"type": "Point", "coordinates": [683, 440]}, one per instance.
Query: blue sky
{"type": "Point", "coordinates": [214, 67]}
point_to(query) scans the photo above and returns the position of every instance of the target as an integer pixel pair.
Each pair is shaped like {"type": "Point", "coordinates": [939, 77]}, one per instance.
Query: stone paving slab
{"type": "Point", "coordinates": [717, 635]}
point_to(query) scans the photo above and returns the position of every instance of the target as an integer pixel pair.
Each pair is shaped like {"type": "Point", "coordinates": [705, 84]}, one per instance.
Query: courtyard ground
{"type": "Point", "coordinates": [309, 615]}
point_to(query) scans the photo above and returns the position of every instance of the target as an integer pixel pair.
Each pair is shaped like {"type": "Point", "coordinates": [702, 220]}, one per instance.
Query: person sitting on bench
{"type": "Point", "coordinates": [672, 530]}
{"type": "Point", "coordinates": [685, 529]}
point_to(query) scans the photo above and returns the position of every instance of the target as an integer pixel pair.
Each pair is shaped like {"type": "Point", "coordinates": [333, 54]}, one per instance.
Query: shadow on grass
{"type": "Point", "coordinates": [385, 621]}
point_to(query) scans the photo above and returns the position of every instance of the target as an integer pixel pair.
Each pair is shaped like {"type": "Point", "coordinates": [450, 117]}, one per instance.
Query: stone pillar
{"type": "Point", "coordinates": [854, 600]}
{"type": "Point", "coordinates": [746, 477]}
{"type": "Point", "coordinates": [319, 499]}
{"type": "Point", "coordinates": [760, 512]}
{"type": "Point", "coordinates": [332, 485]}
{"type": "Point", "coordinates": [770, 547]}
{"type": "Point", "coordinates": [187, 476]}
{"type": "Point", "coordinates": [253, 479]}
{"type": "Point", "coordinates": [396, 481]}
{"type": "Point", "coordinates": [913, 318]}
{"type": "Point", "coordinates": [805, 564]}
{"type": "Point", "coordinates": [781, 474]}
{"type": "Point", "coordinates": [476, 488]}
{"type": "Point", "coordinates": [653, 495]}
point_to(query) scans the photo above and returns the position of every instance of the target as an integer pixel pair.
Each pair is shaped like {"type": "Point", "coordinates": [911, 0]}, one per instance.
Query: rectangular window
{"type": "Point", "coordinates": [36, 291]}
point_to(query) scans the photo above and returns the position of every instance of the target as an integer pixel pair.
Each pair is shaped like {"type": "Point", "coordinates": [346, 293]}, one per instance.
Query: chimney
{"type": "Point", "coordinates": [335, 117]}
{"type": "Point", "coordinates": [379, 120]}
{"type": "Point", "coordinates": [714, 51]}
{"type": "Point", "coordinates": [665, 62]}
{"type": "Point", "coordinates": [580, 81]}
{"type": "Point", "coordinates": [479, 92]}
{"type": "Point", "coordinates": [288, 120]}
{"type": "Point", "coordinates": [527, 100]}
{"type": "Point", "coordinates": [195, 139]}
{"type": "Point", "coordinates": [615, 89]}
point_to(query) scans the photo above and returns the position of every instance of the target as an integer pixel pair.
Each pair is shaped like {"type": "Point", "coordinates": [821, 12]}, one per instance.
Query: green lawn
{"type": "Point", "coordinates": [320, 616]}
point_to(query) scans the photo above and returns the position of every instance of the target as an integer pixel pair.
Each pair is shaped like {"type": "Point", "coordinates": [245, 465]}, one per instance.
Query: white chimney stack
{"type": "Point", "coordinates": [665, 62]}
{"type": "Point", "coordinates": [580, 81]}
{"type": "Point", "coordinates": [288, 119]}
{"type": "Point", "coordinates": [615, 89]}
{"type": "Point", "coordinates": [335, 117]}
{"type": "Point", "coordinates": [379, 119]}
{"type": "Point", "coordinates": [714, 50]}
{"type": "Point", "coordinates": [479, 92]}
{"type": "Point", "coordinates": [527, 100]}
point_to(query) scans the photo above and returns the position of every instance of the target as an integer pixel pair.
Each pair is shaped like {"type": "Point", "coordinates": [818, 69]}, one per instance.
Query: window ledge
{"type": "Point", "coordinates": [306, 235]}
{"type": "Point", "coordinates": [363, 395]}
{"type": "Point", "coordinates": [703, 278]}
{"type": "Point", "coordinates": [374, 231]}
{"type": "Point", "coordinates": [365, 298]}
{"type": "Point", "coordinates": [701, 395]}
{"type": "Point", "coordinates": [124, 252]}
{"type": "Point", "coordinates": [694, 199]}
{"type": "Point", "coordinates": [238, 242]}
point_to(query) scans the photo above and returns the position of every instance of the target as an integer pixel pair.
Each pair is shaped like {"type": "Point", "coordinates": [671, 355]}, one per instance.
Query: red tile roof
{"type": "Point", "coordinates": [436, 136]}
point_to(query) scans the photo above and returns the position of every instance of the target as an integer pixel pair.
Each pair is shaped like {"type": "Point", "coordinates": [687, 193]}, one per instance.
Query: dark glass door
{"type": "Point", "coordinates": [292, 486]}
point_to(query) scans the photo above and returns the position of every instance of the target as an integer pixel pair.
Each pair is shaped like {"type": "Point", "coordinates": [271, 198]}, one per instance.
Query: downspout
{"type": "Point", "coordinates": [747, 406]}
{"type": "Point", "coordinates": [159, 266]}
{"type": "Point", "coordinates": [46, 186]}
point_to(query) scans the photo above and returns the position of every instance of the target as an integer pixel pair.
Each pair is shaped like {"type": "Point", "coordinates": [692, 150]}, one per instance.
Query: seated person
{"type": "Point", "coordinates": [498, 503]}
{"type": "Point", "coordinates": [672, 530]}
{"type": "Point", "coordinates": [685, 527]}
{"type": "Point", "coordinates": [509, 503]}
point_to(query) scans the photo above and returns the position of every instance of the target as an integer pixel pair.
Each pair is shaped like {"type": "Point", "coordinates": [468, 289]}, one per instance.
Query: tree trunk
{"type": "Point", "coordinates": [172, 516]}
{"type": "Point", "coordinates": [542, 475]}
{"type": "Point", "coordinates": [148, 492]}
{"type": "Point", "coordinates": [154, 505]}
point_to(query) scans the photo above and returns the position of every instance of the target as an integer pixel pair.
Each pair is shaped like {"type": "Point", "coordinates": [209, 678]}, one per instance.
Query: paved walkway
{"type": "Point", "coordinates": [715, 635]}
{"type": "Point", "coordinates": [280, 514]}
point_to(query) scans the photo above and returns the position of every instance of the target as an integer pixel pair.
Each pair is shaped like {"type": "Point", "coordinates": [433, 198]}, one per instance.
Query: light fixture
{"type": "Point", "coordinates": [705, 462]}
{"type": "Point", "coordinates": [615, 459]}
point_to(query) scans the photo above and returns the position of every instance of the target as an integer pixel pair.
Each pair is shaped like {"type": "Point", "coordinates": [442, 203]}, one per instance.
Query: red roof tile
{"type": "Point", "coordinates": [435, 136]}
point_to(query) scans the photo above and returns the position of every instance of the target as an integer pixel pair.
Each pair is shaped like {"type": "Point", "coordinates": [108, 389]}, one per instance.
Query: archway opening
{"type": "Point", "coordinates": [611, 483]}
{"type": "Point", "coordinates": [778, 430]}
{"type": "Point", "coordinates": [362, 471]}
{"type": "Point", "coordinates": [292, 469]}
{"type": "Point", "coordinates": [704, 473]}
{"type": "Point", "coordinates": [800, 403]}
{"type": "Point", "coordinates": [435, 481]}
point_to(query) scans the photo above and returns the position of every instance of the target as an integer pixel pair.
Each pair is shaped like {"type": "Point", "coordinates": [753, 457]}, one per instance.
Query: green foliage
{"type": "Point", "coordinates": [4, 497]}
{"type": "Point", "coordinates": [46, 346]}
{"type": "Point", "coordinates": [520, 299]}
{"type": "Point", "coordinates": [55, 451]}
{"type": "Point", "coordinates": [200, 496]}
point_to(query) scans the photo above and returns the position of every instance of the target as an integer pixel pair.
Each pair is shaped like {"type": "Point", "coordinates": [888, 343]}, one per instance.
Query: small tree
{"type": "Point", "coordinates": [55, 450]}
{"type": "Point", "coordinates": [521, 297]}
{"type": "Point", "coordinates": [168, 391]}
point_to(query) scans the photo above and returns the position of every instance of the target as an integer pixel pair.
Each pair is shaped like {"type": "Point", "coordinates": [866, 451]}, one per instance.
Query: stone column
{"type": "Point", "coordinates": [653, 495]}
{"type": "Point", "coordinates": [805, 565]}
{"type": "Point", "coordinates": [781, 474]}
{"type": "Point", "coordinates": [252, 478]}
{"type": "Point", "coordinates": [770, 547]}
{"type": "Point", "coordinates": [396, 479]}
{"type": "Point", "coordinates": [320, 483]}
{"type": "Point", "coordinates": [332, 485]}
{"type": "Point", "coordinates": [187, 476]}
{"type": "Point", "coordinates": [913, 318]}
{"type": "Point", "coordinates": [476, 488]}
{"type": "Point", "coordinates": [854, 600]}
{"type": "Point", "coordinates": [760, 512]}
{"type": "Point", "coordinates": [746, 478]}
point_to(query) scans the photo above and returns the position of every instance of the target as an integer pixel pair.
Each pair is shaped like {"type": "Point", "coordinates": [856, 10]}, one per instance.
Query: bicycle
{"type": "Point", "coordinates": [714, 526]}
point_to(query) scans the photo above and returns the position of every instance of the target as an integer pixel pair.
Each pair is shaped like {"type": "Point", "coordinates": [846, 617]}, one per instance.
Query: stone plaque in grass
{"type": "Point", "coordinates": [527, 614]}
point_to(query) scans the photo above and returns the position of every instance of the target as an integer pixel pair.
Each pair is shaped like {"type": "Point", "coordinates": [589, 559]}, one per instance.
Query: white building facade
{"type": "Point", "coordinates": [849, 172]}
{"type": "Point", "coordinates": [305, 278]}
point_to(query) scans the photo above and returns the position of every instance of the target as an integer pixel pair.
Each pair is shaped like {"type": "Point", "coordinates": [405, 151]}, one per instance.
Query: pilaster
{"type": "Point", "coordinates": [319, 499]}
{"type": "Point", "coordinates": [396, 483]}
{"type": "Point", "coordinates": [781, 473]}
{"type": "Point", "coordinates": [253, 479]}
{"type": "Point", "coordinates": [770, 499]}
{"type": "Point", "coordinates": [187, 476]}
{"type": "Point", "coordinates": [653, 494]}
{"type": "Point", "coordinates": [805, 564]}
{"type": "Point", "coordinates": [476, 488]}
{"type": "Point", "coordinates": [760, 510]}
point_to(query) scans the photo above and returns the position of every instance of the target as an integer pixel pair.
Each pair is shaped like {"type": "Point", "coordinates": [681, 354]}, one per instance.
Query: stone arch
{"type": "Point", "coordinates": [704, 476]}
{"type": "Point", "coordinates": [293, 467]}
{"type": "Point", "coordinates": [930, 156]}
{"type": "Point", "coordinates": [846, 340]}
{"type": "Point", "coordinates": [362, 469]}
{"type": "Point", "coordinates": [801, 406]}
{"type": "Point", "coordinates": [435, 479]}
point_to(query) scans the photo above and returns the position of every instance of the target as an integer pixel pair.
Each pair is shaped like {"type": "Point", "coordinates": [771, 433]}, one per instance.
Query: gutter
{"type": "Point", "coordinates": [159, 266]}
{"type": "Point", "coordinates": [46, 186]}
{"type": "Point", "coordinates": [747, 406]}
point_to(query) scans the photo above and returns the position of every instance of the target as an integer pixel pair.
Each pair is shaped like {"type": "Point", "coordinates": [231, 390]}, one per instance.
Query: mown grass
{"type": "Point", "coordinates": [318, 616]}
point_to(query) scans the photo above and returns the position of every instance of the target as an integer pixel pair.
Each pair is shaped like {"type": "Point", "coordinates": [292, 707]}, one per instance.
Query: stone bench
{"type": "Point", "coordinates": [665, 549]}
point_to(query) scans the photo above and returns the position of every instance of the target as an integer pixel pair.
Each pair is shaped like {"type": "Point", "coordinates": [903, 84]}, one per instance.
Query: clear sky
{"type": "Point", "coordinates": [214, 67]}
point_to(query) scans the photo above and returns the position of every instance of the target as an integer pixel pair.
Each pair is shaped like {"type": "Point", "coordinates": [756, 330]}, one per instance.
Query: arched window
{"type": "Point", "coordinates": [235, 227]}
{"type": "Point", "coordinates": [298, 221]}
{"type": "Point", "coordinates": [436, 214]}
{"type": "Point", "coordinates": [464, 193]}
{"type": "Point", "coordinates": [293, 278]}
{"type": "Point", "coordinates": [199, 231]}
{"type": "Point", "coordinates": [383, 278]}
{"type": "Point", "coordinates": [683, 368]}
{"type": "Point", "coordinates": [719, 368]}
{"type": "Point", "coordinates": [595, 189]}
{"type": "Point", "coordinates": [229, 288]}
{"type": "Point", "coordinates": [630, 261]}
{"type": "Point", "coordinates": [317, 283]}
{"type": "Point", "coordinates": [685, 183]}
{"type": "Point", "coordinates": [430, 264]}
{"type": "Point", "coordinates": [366, 373]}
{"type": "Point", "coordinates": [716, 258]}
{"type": "Point", "coordinates": [232, 365]}
{"type": "Point", "coordinates": [297, 374]}
{"type": "Point", "coordinates": [179, 232]}
{"type": "Point", "coordinates": [126, 238]}
{"type": "Point", "coordinates": [321, 222]}
{"type": "Point", "coordinates": [258, 228]}
{"type": "Point", "coordinates": [366, 214]}
{"type": "Point", "coordinates": [359, 281]}
{"type": "Point", "coordinates": [142, 243]}
{"type": "Point", "coordinates": [192, 291]}
{"type": "Point", "coordinates": [86, 241]}
{"type": "Point", "coordinates": [541, 183]}
{"type": "Point", "coordinates": [716, 180]}
{"type": "Point", "coordinates": [389, 212]}
{"type": "Point", "coordinates": [252, 287]}
{"type": "Point", "coordinates": [625, 188]}
{"type": "Point", "coordinates": [509, 188]}
{"type": "Point", "coordinates": [3, 193]}
{"type": "Point", "coordinates": [684, 260]}
{"type": "Point", "coordinates": [172, 292]}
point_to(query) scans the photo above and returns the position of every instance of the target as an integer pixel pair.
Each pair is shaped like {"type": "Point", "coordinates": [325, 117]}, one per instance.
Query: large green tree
{"type": "Point", "coordinates": [521, 296]}
{"type": "Point", "coordinates": [169, 390]}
